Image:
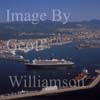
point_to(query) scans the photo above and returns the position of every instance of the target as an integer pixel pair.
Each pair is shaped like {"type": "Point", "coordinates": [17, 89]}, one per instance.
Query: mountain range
{"type": "Point", "coordinates": [47, 27]}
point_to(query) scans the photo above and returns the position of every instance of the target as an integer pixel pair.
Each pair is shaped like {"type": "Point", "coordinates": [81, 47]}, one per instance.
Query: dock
{"type": "Point", "coordinates": [50, 92]}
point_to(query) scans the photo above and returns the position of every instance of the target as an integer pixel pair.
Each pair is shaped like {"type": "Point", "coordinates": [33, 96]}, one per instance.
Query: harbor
{"type": "Point", "coordinates": [49, 50]}
{"type": "Point", "coordinates": [41, 61]}
{"type": "Point", "coordinates": [65, 51]}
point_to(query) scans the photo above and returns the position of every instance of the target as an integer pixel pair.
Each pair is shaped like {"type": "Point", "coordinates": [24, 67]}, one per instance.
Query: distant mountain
{"type": "Point", "coordinates": [17, 27]}
{"type": "Point", "coordinates": [45, 27]}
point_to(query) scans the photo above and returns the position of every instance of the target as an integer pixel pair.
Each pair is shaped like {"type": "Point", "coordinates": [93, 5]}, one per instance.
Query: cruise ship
{"type": "Point", "coordinates": [53, 63]}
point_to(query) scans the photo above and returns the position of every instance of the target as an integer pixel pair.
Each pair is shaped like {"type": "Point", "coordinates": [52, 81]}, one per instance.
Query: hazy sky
{"type": "Point", "coordinates": [79, 9]}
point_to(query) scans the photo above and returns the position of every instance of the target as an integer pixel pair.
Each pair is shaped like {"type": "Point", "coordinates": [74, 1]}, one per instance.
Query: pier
{"type": "Point", "coordinates": [50, 92]}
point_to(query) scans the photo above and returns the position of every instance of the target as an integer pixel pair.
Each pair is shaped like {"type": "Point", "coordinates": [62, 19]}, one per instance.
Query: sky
{"type": "Point", "coordinates": [80, 9]}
